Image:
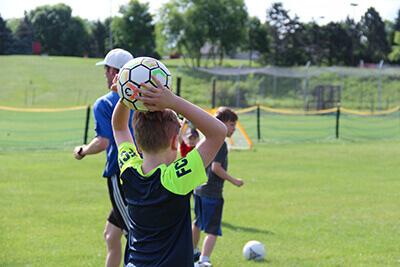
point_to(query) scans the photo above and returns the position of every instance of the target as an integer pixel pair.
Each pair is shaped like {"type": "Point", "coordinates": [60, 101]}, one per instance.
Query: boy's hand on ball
{"type": "Point", "coordinates": [155, 98]}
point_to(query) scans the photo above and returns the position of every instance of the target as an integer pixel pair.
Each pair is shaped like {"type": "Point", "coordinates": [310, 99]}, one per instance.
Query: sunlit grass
{"type": "Point", "coordinates": [331, 203]}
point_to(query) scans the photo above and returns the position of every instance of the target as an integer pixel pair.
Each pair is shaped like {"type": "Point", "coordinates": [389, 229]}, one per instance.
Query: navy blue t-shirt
{"type": "Point", "coordinates": [160, 232]}
{"type": "Point", "coordinates": [103, 109]}
{"type": "Point", "coordinates": [214, 186]}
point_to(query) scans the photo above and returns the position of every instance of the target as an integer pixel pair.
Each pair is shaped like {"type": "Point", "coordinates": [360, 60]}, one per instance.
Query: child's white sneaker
{"type": "Point", "coordinates": [203, 264]}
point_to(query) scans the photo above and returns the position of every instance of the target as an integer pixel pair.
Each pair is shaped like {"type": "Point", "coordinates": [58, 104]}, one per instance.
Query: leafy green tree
{"type": "Point", "coordinates": [77, 38]}
{"type": "Point", "coordinates": [257, 38]}
{"type": "Point", "coordinates": [184, 28]}
{"type": "Point", "coordinates": [191, 24]}
{"type": "Point", "coordinates": [394, 56]}
{"type": "Point", "coordinates": [395, 40]}
{"type": "Point", "coordinates": [6, 38]}
{"type": "Point", "coordinates": [59, 33]}
{"type": "Point", "coordinates": [226, 21]}
{"type": "Point", "coordinates": [288, 47]}
{"type": "Point", "coordinates": [50, 24]}
{"type": "Point", "coordinates": [337, 43]}
{"type": "Point", "coordinates": [98, 38]}
{"type": "Point", "coordinates": [397, 21]}
{"type": "Point", "coordinates": [391, 28]}
{"type": "Point", "coordinates": [171, 24]}
{"type": "Point", "coordinates": [353, 31]}
{"type": "Point", "coordinates": [374, 46]}
{"type": "Point", "coordinates": [134, 31]}
{"type": "Point", "coordinates": [25, 28]}
{"type": "Point", "coordinates": [13, 23]}
{"type": "Point", "coordinates": [107, 25]}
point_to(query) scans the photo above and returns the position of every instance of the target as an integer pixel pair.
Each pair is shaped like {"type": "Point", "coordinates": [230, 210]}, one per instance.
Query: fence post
{"type": "Point", "coordinates": [380, 82]}
{"type": "Point", "coordinates": [337, 120]}
{"type": "Point", "coordinates": [305, 85]}
{"type": "Point", "coordinates": [86, 124]}
{"type": "Point", "coordinates": [178, 86]}
{"type": "Point", "coordinates": [238, 86]}
{"type": "Point", "coordinates": [213, 92]}
{"type": "Point", "coordinates": [258, 123]}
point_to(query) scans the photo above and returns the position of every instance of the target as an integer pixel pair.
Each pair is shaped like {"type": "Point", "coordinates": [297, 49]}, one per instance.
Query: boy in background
{"type": "Point", "coordinates": [157, 187]}
{"type": "Point", "coordinates": [208, 199]}
{"type": "Point", "coordinates": [190, 141]}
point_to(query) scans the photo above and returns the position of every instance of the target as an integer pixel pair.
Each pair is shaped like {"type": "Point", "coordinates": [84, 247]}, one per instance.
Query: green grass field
{"type": "Point", "coordinates": [309, 198]}
{"type": "Point", "coordinates": [330, 203]}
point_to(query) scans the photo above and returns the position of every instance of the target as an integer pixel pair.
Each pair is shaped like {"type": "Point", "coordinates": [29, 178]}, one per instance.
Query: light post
{"type": "Point", "coordinates": [111, 37]}
{"type": "Point", "coordinates": [354, 5]}
{"type": "Point", "coordinates": [317, 38]}
{"type": "Point", "coordinates": [354, 10]}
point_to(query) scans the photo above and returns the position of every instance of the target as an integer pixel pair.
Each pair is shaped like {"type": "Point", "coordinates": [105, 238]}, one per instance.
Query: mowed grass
{"type": "Point", "coordinates": [309, 198]}
{"type": "Point", "coordinates": [329, 203]}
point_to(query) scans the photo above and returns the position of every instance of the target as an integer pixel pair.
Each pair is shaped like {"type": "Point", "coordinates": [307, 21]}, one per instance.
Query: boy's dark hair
{"type": "Point", "coordinates": [225, 114]}
{"type": "Point", "coordinates": [153, 131]}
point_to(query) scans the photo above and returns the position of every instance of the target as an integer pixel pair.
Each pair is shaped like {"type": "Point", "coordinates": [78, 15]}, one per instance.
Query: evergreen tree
{"type": "Point", "coordinates": [98, 37]}
{"type": "Point", "coordinates": [24, 35]}
{"type": "Point", "coordinates": [6, 38]}
{"type": "Point", "coordinates": [374, 44]}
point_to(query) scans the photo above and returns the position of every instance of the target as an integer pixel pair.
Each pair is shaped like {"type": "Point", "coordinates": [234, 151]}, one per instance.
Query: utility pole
{"type": "Point", "coordinates": [354, 37]}
{"type": "Point", "coordinates": [111, 36]}
{"type": "Point", "coordinates": [317, 38]}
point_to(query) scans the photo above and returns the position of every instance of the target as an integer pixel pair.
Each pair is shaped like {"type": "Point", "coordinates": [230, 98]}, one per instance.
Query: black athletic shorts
{"type": "Point", "coordinates": [119, 212]}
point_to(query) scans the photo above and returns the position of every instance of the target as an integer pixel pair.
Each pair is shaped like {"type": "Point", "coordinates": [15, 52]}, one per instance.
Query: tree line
{"type": "Point", "coordinates": [186, 27]}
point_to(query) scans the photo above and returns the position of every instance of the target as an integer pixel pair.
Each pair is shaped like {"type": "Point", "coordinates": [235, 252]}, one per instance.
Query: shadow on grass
{"type": "Point", "coordinates": [246, 229]}
{"type": "Point", "coordinates": [263, 261]}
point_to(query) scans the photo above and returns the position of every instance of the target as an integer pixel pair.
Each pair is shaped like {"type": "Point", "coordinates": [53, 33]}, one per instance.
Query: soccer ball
{"type": "Point", "coordinates": [254, 250]}
{"type": "Point", "coordinates": [136, 71]}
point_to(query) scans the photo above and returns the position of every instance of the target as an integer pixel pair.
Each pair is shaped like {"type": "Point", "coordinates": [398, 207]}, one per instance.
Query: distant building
{"type": "Point", "coordinates": [208, 50]}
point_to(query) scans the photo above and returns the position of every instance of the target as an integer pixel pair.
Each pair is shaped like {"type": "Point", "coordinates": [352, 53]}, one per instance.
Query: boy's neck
{"type": "Point", "coordinates": [152, 161]}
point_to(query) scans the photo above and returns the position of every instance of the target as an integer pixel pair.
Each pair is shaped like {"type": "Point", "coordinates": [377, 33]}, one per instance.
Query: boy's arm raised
{"type": "Point", "coordinates": [213, 129]}
{"type": "Point", "coordinates": [120, 120]}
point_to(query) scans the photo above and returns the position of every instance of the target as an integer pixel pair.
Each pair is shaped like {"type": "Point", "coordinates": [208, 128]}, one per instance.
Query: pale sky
{"type": "Point", "coordinates": [321, 11]}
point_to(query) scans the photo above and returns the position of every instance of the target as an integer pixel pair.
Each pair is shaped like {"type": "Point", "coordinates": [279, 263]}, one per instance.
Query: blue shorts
{"type": "Point", "coordinates": [208, 214]}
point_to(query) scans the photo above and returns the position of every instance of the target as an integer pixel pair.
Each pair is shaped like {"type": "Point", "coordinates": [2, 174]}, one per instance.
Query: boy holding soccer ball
{"type": "Point", "coordinates": [157, 187]}
{"type": "Point", "coordinates": [208, 200]}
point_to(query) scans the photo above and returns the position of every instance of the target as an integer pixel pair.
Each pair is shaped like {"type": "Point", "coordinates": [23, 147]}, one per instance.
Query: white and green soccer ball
{"type": "Point", "coordinates": [254, 250]}
{"type": "Point", "coordinates": [137, 71]}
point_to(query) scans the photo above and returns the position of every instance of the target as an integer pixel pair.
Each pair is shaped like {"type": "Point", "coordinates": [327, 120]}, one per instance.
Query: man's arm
{"type": "Point", "coordinates": [97, 145]}
{"type": "Point", "coordinates": [216, 168]}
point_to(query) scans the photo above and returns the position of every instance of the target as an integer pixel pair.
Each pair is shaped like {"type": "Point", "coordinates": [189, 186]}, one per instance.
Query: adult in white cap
{"type": "Point", "coordinates": [103, 108]}
{"type": "Point", "coordinates": [116, 58]}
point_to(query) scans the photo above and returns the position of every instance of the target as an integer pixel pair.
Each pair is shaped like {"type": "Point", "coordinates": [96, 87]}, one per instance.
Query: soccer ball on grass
{"type": "Point", "coordinates": [254, 250]}
{"type": "Point", "coordinates": [136, 71]}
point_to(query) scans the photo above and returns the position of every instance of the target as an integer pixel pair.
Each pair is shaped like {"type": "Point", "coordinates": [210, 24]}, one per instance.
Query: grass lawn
{"type": "Point", "coordinates": [309, 198]}
{"type": "Point", "coordinates": [327, 203]}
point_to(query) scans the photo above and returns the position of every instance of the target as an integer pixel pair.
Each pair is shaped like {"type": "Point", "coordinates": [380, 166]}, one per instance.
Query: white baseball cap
{"type": "Point", "coordinates": [116, 58]}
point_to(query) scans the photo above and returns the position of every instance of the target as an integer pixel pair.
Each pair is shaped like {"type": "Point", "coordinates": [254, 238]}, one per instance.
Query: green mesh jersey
{"type": "Point", "coordinates": [180, 178]}
{"type": "Point", "coordinates": [159, 208]}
